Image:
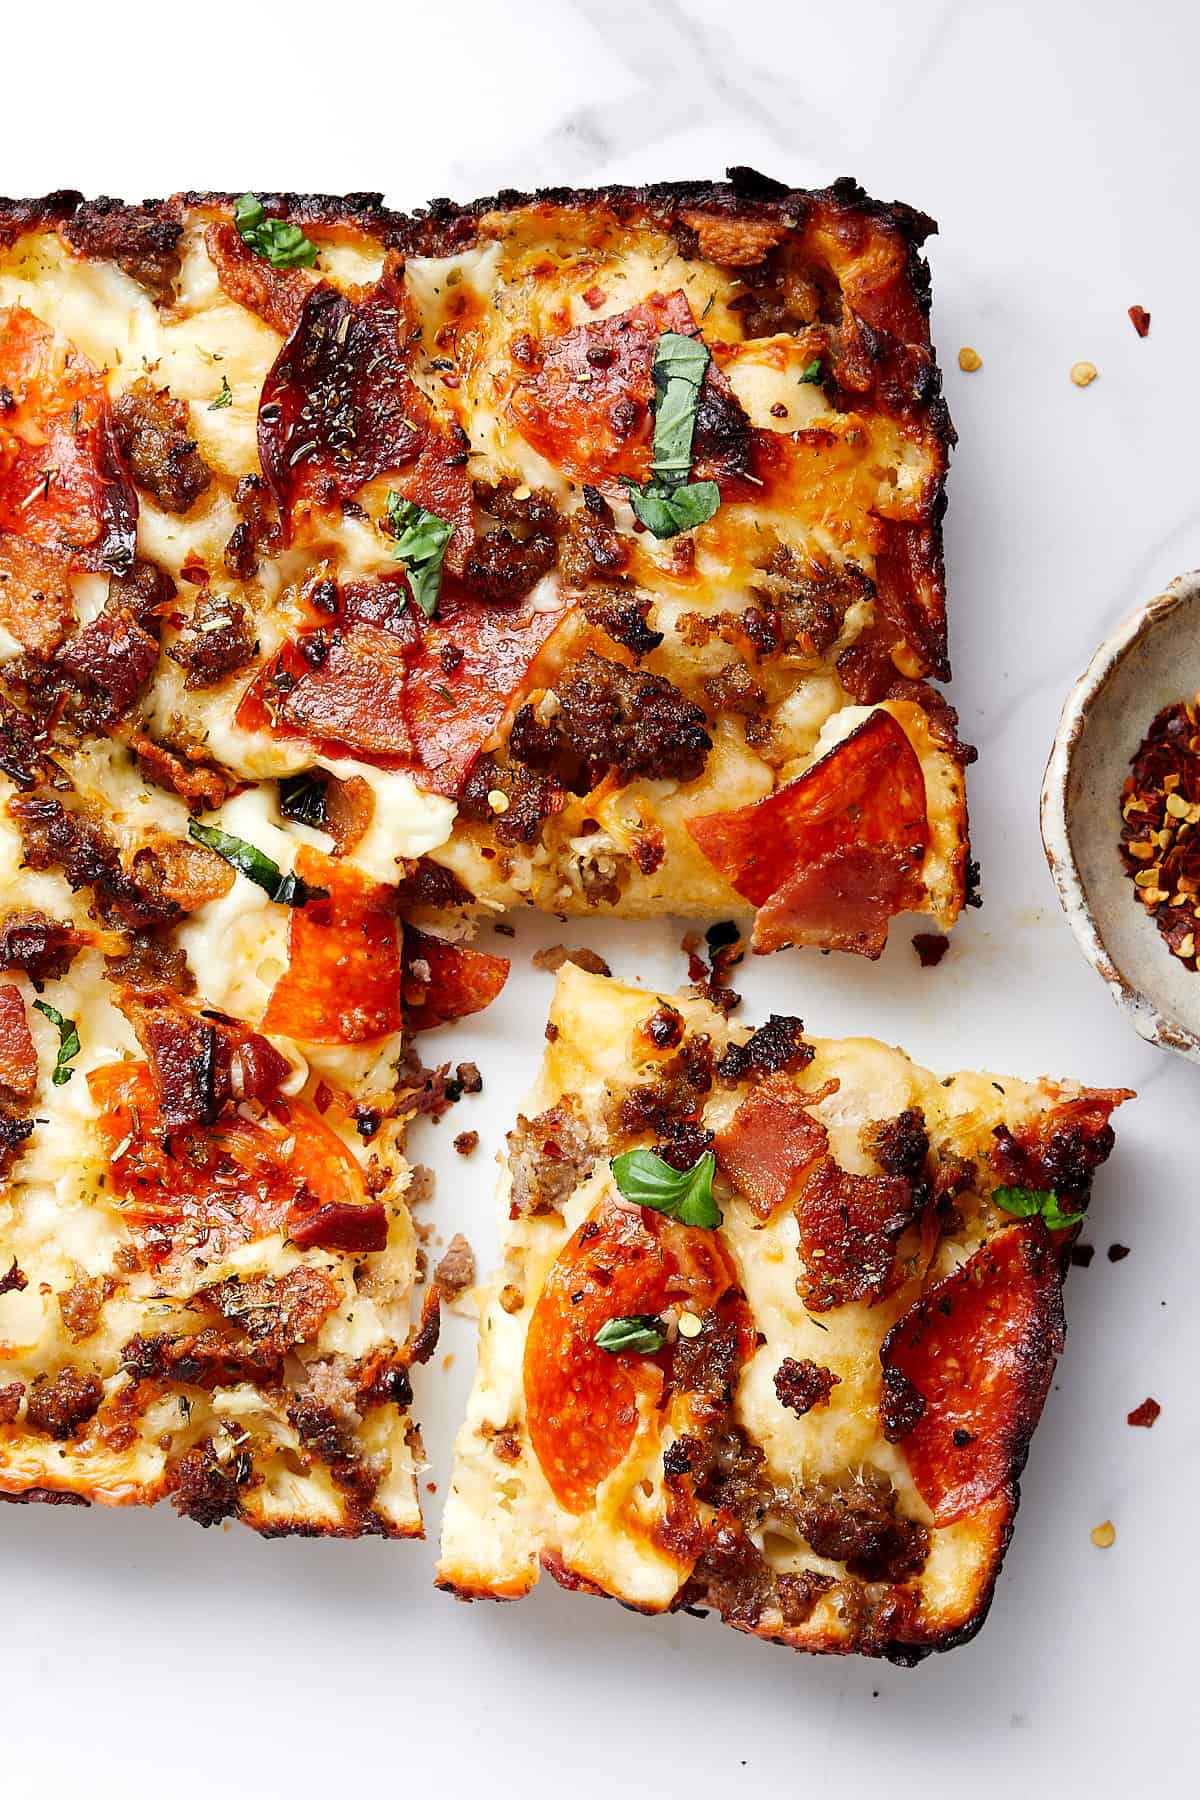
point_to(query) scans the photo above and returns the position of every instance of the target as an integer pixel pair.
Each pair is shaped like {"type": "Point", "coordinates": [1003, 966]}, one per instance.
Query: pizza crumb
{"type": "Point", "coordinates": [1081, 1255]}
{"type": "Point", "coordinates": [552, 960]}
{"type": "Point", "coordinates": [1105, 1536]}
{"type": "Point", "coordinates": [1145, 1414]}
{"type": "Point", "coordinates": [930, 947]}
{"type": "Point", "coordinates": [456, 1270]}
{"type": "Point", "coordinates": [969, 360]}
{"type": "Point", "coordinates": [466, 1142]}
{"type": "Point", "coordinates": [1118, 1252]}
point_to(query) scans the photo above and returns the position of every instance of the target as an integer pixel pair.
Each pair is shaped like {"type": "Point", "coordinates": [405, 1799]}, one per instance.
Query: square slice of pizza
{"type": "Point", "coordinates": [585, 547]}
{"type": "Point", "coordinates": [773, 1328]}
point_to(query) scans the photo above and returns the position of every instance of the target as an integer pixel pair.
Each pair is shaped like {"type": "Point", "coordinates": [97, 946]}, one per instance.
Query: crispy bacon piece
{"type": "Point", "coordinates": [276, 296]}
{"type": "Point", "coordinates": [199, 1061]}
{"type": "Point", "coordinates": [18, 1058]}
{"type": "Point", "coordinates": [342, 982]}
{"type": "Point", "coordinates": [582, 1402]}
{"type": "Point", "coordinates": [41, 947]}
{"type": "Point", "coordinates": [37, 607]}
{"type": "Point", "coordinates": [967, 1371]}
{"type": "Point", "coordinates": [444, 981]}
{"type": "Point", "coordinates": [62, 483]}
{"type": "Point", "coordinates": [340, 408]}
{"type": "Point", "coordinates": [585, 400]}
{"type": "Point", "coordinates": [829, 857]}
{"type": "Point", "coordinates": [849, 1226]}
{"type": "Point", "coordinates": [396, 688]}
{"type": "Point", "coordinates": [770, 1141]}
{"type": "Point", "coordinates": [202, 1191]}
{"type": "Point", "coordinates": [113, 653]}
{"type": "Point", "coordinates": [339, 1225]}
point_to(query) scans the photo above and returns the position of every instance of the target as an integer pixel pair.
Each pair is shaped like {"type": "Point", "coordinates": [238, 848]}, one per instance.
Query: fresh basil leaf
{"type": "Point", "coordinates": [812, 372]}
{"type": "Point", "coordinates": [1035, 1203]}
{"type": "Point", "coordinates": [640, 1334]}
{"type": "Point", "coordinates": [668, 511]}
{"type": "Point", "coordinates": [68, 1041]}
{"type": "Point", "coordinates": [683, 1194]}
{"type": "Point", "coordinates": [288, 890]}
{"type": "Point", "coordinates": [302, 798]}
{"type": "Point", "coordinates": [284, 246]}
{"type": "Point", "coordinates": [421, 539]}
{"type": "Point", "coordinates": [679, 365]}
{"type": "Point", "coordinates": [224, 398]}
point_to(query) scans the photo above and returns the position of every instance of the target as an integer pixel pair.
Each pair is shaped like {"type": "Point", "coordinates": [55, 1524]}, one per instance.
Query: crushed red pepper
{"type": "Point", "coordinates": [1160, 843]}
{"type": "Point", "coordinates": [1140, 320]}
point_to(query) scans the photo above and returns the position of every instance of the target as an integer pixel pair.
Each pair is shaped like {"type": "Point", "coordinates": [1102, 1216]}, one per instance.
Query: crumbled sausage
{"type": "Point", "coordinates": [142, 241]}
{"type": "Point", "coordinates": [217, 641]}
{"type": "Point", "coordinates": [11, 1397]}
{"type": "Point", "coordinates": [466, 1142]}
{"type": "Point", "coordinates": [899, 1145]}
{"type": "Point", "coordinates": [203, 1491]}
{"type": "Point", "coordinates": [456, 1270]}
{"type": "Point", "coordinates": [81, 1304]}
{"type": "Point", "coordinates": [151, 431]}
{"type": "Point", "coordinates": [857, 1524]}
{"type": "Point", "coordinates": [810, 602]}
{"type": "Point", "coordinates": [612, 717]}
{"type": "Point", "coordinates": [257, 528]}
{"type": "Point", "coordinates": [801, 1384]}
{"type": "Point", "coordinates": [622, 614]}
{"type": "Point", "coordinates": [60, 1404]}
{"type": "Point", "coordinates": [549, 1156]}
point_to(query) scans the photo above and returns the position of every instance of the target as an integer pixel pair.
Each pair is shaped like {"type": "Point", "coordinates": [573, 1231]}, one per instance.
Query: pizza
{"type": "Point", "coordinates": [589, 543]}
{"type": "Point", "coordinates": [774, 1324]}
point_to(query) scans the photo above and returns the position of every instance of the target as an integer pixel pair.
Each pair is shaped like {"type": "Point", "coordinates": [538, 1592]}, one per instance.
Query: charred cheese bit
{"type": "Point", "coordinates": [696, 1472]}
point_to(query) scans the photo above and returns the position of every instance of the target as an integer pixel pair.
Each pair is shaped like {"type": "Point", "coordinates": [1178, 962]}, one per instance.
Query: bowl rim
{"type": "Point", "coordinates": [1149, 1023]}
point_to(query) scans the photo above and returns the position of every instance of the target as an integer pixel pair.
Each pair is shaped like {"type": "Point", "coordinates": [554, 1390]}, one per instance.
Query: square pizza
{"type": "Point", "coordinates": [582, 549]}
{"type": "Point", "coordinates": [773, 1328]}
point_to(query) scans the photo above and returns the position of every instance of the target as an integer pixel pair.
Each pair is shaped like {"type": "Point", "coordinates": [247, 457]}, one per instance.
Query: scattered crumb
{"type": "Point", "coordinates": [448, 1360]}
{"type": "Point", "coordinates": [930, 947]}
{"type": "Point", "coordinates": [421, 1185]}
{"type": "Point", "coordinates": [456, 1271]}
{"type": "Point", "coordinates": [1084, 373]}
{"type": "Point", "coordinates": [1118, 1252]}
{"type": "Point", "coordinates": [969, 359]}
{"type": "Point", "coordinates": [552, 960]}
{"type": "Point", "coordinates": [1081, 1255]}
{"type": "Point", "coordinates": [1145, 1414]}
{"type": "Point", "coordinates": [420, 1268]}
{"type": "Point", "coordinates": [511, 1298]}
{"type": "Point", "coordinates": [503, 929]}
{"type": "Point", "coordinates": [469, 1079]}
{"type": "Point", "coordinates": [1105, 1536]}
{"type": "Point", "coordinates": [466, 1141]}
{"type": "Point", "coordinates": [1140, 320]}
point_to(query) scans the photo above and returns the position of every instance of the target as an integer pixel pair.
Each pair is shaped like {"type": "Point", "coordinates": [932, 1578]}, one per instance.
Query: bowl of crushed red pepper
{"type": "Point", "coordinates": [1121, 816]}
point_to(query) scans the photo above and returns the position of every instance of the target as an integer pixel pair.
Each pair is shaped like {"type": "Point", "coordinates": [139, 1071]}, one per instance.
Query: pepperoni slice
{"type": "Point", "coordinates": [18, 1058]}
{"type": "Point", "coordinates": [830, 856]}
{"type": "Point", "coordinates": [406, 692]}
{"type": "Point", "coordinates": [276, 296]}
{"type": "Point", "coordinates": [201, 1191]}
{"type": "Point", "coordinates": [585, 400]}
{"type": "Point", "coordinates": [769, 1142]}
{"type": "Point", "coordinates": [340, 408]}
{"type": "Point", "coordinates": [342, 982]}
{"type": "Point", "coordinates": [62, 483]}
{"type": "Point", "coordinates": [967, 1371]}
{"type": "Point", "coordinates": [444, 981]}
{"type": "Point", "coordinates": [581, 1402]}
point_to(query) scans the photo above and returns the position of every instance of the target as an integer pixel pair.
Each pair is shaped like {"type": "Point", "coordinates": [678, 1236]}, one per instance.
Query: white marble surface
{"type": "Point", "coordinates": [1056, 144]}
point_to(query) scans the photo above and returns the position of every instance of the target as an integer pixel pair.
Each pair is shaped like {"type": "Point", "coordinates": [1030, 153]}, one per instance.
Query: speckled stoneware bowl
{"type": "Point", "coordinates": [1150, 661]}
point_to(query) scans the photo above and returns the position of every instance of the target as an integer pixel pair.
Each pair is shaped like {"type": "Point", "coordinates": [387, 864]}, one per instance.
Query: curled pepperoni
{"type": "Point", "coordinates": [444, 981]}
{"type": "Point", "coordinates": [342, 982]}
{"type": "Point", "coordinates": [967, 1371]}
{"type": "Point", "coordinates": [585, 400]}
{"type": "Point", "coordinates": [62, 483]}
{"type": "Point", "coordinates": [340, 408]}
{"type": "Point", "coordinates": [830, 856]}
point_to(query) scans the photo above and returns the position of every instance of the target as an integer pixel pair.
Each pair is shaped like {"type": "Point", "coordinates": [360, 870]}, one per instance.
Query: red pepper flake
{"type": "Point", "coordinates": [1140, 319]}
{"type": "Point", "coordinates": [1145, 1414]}
{"type": "Point", "coordinates": [930, 947]}
{"type": "Point", "coordinates": [1160, 810]}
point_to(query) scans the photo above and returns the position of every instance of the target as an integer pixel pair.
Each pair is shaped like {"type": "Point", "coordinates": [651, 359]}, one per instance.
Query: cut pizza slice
{"type": "Point", "coordinates": [774, 1325]}
{"type": "Point", "coordinates": [570, 541]}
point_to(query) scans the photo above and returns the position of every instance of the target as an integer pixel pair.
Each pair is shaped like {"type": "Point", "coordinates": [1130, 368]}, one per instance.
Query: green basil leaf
{"type": "Point", "coordinates": [683, 1194]}
{"type": "Point", "coordinates": [1035, 1203]}
{"type": "Point", "coordinates": [68, 1041]}
{"type": "Point", "coordinates": [812, 372]}
{"type": "Point", "coordinates": [302, 798]}
{"type": "Point", "coordinates": [224, 398]}
{"type": "Point", "coordinates": [668, 511]}
{"type": "Point", "coordinates": [288, 890]}
{"type": "Point", "coordinates": [284, 246]}
{"type": "Point", "coordinates": [679, 365]}
{"type": "Point", "coordinates": [421, 539]}
{"type": "Point", "coordinates": [640, 1334]}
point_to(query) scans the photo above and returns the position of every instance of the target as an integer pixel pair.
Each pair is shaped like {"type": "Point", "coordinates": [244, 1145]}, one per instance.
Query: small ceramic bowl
{"type": "Point", "coordinates": [1150, 661]}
